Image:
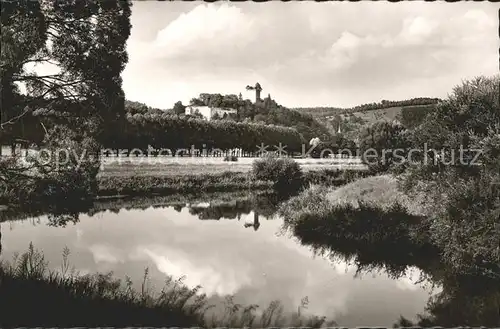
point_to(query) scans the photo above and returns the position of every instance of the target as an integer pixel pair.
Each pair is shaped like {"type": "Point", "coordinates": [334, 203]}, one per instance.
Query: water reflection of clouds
{"type": "Point", "coordinates": [224, 258]}
{"type": "Point", "coordinates": [215, 278]}
{"type": "Point", "coordinates": [106, 254]}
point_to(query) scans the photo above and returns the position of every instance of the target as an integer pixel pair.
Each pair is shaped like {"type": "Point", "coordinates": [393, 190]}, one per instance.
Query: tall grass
{"type": "Point", "coordinates": [33, 295]}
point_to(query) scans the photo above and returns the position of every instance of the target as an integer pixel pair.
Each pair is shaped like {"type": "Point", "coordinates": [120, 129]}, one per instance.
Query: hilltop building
{"type": "Point", "coordinates": [208, 112]}
{"type": "Point", "coordinates": [257, 89]}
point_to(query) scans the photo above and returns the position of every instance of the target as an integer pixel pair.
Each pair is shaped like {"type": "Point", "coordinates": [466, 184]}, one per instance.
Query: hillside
{"type": "Point", "coordinates": [386, 114]}
{"type": "Point", "coordinates": [266, 111]}
{"type": "Point", "coordinates": [323, 112]}
{"type": "Point", "coordinates": [353, 120]}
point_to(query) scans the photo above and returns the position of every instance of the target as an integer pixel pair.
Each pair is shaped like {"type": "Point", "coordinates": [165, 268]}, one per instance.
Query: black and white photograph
{"type": "Point", "coordinates": [197, 164]}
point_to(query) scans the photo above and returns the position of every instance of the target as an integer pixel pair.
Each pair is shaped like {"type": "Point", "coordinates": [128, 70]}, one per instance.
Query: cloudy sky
{"type": "Point", "coordinates": [307, 53]}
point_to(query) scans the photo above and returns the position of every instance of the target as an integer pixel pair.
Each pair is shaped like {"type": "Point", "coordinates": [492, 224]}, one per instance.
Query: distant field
{"type": "Point", "coordinates": [180, 166]}
{"type": "Point", "coordinates": [167, 166]}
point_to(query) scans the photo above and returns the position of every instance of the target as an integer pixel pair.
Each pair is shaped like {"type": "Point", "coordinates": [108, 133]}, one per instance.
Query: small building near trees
{"type": "Point", "coordinates": [208, 112]}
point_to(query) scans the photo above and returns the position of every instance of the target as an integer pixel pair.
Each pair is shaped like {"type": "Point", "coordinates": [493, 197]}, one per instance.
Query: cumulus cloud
{"type": "Point", "coordinates": [208, 30]}
{"type": "Point", "coordinates": [336, 54]}
{"type": "Point", "coordinates": [417, 30]}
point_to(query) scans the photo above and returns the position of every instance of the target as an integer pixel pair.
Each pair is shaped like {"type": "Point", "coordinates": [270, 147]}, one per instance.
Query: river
{"type": "Point", "coordinates": [228, 249]}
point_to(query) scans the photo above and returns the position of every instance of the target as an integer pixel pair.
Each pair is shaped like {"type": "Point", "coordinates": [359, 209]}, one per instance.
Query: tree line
{"type": "Point", "coordinates": [176, 132]}
{"type": "Point", "coordinates": [160, 129]}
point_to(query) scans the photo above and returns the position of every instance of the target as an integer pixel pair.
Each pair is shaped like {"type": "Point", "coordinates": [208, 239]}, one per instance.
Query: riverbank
{"type": "Point", "coordinates": [374, 225]}
{"type": "Point", "coordinates": [129, 179]}
{"type": "Point", "coordinates": [132, 185]}
{"type": "Point", "coordinates": [142, 192]}
{"type": "Point", "coordinates": [222, 203]}
{"type": "Point", "coordinates": [136, 178]}
{"type": "Point", "coordinates": [366, 217]}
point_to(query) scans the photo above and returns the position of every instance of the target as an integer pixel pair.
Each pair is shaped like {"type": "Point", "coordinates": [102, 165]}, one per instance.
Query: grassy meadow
{"type": "Point", "coordinates": [184, 175]}
{"type": "Point", "coordinates": [168, 166]}
{"type": "Point", "coordinates": [137, 176]}
{"type": "Point", "coordinates": [379, 190]}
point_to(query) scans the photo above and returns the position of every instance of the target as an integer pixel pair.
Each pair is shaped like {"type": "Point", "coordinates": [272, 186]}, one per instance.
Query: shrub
{"type": "Point", "coordinates": [463, 199]}
{"type": "Point", "coordinates": [231, 158]}
{"type": "Point", "coordinates": [285, 173]}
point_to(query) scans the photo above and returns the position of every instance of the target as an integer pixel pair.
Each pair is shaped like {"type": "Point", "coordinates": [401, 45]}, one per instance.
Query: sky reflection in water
{"type": "Point", "coordinates": [224, 257]}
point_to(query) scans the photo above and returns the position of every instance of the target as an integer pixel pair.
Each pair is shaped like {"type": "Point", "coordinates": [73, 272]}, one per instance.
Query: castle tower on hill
{"type": "Point", "coordinates": [257, 89]}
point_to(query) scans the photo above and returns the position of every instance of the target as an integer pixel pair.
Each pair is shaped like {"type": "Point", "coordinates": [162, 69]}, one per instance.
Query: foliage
{"type": "Point", "coordinates": [464, 208]}
{"type": "Point", "coordinates": [472, 214]}
{"type": "Point", "coordinates": [335, 145]}
{"type": "Point", "coordinates": [87, 43]}
{"type": "Point", "coordinates": [179, 108]}
{"type": "Point", "coordinates": [350, 125]}
{"type": "Point", "coordinates": [285, 173]}
{"type": "Point", "coordinates": [383, 145]}
{"type": "Point", "coordinates": [412, 116]}
{"type": "Point", "coordinates": [267, 111]}
{"type": "Point", "coordinates": [132, 107]}
{"type": "Point", "coordinates": [53, 177]}
{"type": "Point", "coordinates": [162, 129]}
{"type": "Point", "coordinates": [305, 124]}
{"type": "Point", "coordinates": [174, 132]}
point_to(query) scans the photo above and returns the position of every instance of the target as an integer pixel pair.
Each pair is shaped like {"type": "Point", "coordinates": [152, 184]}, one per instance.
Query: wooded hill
{"type": "Point", "coordinates": [352, 120]}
